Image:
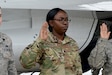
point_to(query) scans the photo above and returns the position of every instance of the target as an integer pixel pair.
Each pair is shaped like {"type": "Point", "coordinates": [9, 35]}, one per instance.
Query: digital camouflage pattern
{"type": "Point", "coordinates": [7, 65]}
{"type": "Point", "coordinates": [101, 57]}
{"type": "Point", "coordinates": [54, 56]}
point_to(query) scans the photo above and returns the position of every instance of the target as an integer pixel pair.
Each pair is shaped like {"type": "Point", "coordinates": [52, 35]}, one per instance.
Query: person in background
{"type": "Point", "coordinates": [57, 53]}
{"type": "Point", "coordinates": [101, 55]}
{"type": "Point", "coordinates": [7, 64]}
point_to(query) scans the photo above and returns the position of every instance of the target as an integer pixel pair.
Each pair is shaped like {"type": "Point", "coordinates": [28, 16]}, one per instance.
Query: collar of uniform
{"type": "Point", "coordinates": [53, 38]}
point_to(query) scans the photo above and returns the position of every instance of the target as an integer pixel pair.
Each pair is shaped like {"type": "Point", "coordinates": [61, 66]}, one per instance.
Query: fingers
{"type": "Point", "coordinates": [45, 26]}
{"type": "Point", "coordinates": [104, 27]}
{"type": "Point", "coordinates": [44, 31]}
{"type": "Point", "coordinates": [104, 31]}
{"type": "Point", "coordinates": [109, 33]}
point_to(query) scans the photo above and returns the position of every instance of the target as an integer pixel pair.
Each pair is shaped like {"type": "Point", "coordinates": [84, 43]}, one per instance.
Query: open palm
{"type": "Point", "coordinates": [44, 31]}
{"type": "Point", "coordinates": [104, 33]}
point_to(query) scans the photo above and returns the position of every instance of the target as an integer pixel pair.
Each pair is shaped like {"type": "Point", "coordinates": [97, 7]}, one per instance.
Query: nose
{"type": "Point", "coordinates": [65, 22]}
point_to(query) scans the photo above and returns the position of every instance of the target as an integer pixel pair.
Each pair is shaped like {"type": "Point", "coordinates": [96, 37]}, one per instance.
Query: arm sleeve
{"type": "Point", "coordinates": [77, 61]}
{"type": "Point", "coordinates": [97, 56]}
{"type": "Point", "coordinates": [78, 64]}
{"type": "Point", "coordinates": [11, 65]}
{"type": "Point", "coordinates": [31, 55]}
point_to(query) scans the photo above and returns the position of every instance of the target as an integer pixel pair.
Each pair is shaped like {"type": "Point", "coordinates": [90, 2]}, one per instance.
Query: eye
{"type": "Point", "coordinates": [62, 20]}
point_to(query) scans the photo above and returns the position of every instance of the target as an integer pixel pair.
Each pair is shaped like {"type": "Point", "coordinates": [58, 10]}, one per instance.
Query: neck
{"type": "Point", "coordinates": [59, 36]}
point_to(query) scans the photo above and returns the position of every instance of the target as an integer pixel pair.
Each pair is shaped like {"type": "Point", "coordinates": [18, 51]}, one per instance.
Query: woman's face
{"type": "Point", "coordinates": [60, 23]}
{"type": "Point", "coordinates": [0, 17]}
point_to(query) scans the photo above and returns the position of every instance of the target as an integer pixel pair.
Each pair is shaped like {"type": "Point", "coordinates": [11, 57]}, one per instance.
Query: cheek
{"type": "Point", "coordinates": [58, 27]}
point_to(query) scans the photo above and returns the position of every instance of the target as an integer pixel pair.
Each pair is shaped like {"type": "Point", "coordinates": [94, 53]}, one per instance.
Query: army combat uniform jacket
{"type": "Point", "coordinates": [55, 57]}
{"type": "Point", "coordinates": [7, 65]}
{"type": "Point", "coordinates": [101, 57]}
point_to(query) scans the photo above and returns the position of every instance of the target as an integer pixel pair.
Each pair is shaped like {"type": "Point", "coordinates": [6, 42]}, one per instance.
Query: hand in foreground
{"type": "Point", "coordinates": [44, 31]}
{"type": "Point", "coordinates": [104, 33]}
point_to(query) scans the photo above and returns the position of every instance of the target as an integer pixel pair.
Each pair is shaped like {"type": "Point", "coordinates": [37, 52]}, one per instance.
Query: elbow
{"type": "Point", "coordinates": [25, 63]}
{"type": "Point", "coordinates": [26, 66]}
{"type": "Point", "coordinates": [95, 64]}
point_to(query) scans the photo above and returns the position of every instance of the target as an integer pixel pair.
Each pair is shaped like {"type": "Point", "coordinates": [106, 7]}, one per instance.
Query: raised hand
{"type": "Point", "coordinates": [44, 31]}
{"type": "Point", "coordinates": [104, 33]}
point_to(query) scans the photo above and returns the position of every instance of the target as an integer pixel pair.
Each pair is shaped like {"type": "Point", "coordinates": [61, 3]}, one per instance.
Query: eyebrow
{"type": "Point", "coordinates": [63, 18]}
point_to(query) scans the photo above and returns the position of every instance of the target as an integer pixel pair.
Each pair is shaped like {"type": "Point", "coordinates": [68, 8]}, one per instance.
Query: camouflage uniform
{"type": "Point", "coordinates": [55, 57]}
{"type": "Point", "coordinates": [101, 57]}
{"type": "Point", "coordinates": [7, 65]}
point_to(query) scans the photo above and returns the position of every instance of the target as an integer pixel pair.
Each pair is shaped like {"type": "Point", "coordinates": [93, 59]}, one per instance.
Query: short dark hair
{"type": "Point", "coordinates": [51, 14]}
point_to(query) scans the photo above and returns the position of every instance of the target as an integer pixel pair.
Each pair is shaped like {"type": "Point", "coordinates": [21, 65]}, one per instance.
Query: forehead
{"type": "Point", "coordinates": [61, 14]}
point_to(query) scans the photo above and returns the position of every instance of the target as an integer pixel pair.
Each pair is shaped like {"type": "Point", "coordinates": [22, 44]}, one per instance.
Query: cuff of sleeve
{"type": "Point", "coordinates": [102, 40]}
{"type": "Point", "coordinates": [38, 40]}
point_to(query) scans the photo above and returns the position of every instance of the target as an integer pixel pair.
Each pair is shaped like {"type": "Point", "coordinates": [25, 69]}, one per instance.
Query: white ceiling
{"type": "Point", "coordinates": [99, 5]}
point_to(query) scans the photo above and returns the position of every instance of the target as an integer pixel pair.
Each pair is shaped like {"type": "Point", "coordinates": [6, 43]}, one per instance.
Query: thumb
{"type": "Point", "coordinates": [109, 33]}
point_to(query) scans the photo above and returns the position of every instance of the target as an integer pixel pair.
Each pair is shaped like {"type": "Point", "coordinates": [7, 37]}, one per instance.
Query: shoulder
{"type": "Point", "coordinates": [5, 37]}
{"type": "Point", "coordinates": [71, 39]}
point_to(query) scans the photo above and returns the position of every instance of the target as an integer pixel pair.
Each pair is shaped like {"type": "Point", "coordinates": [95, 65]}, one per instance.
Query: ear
{"type": "Point", "coordinates": [51, 23]}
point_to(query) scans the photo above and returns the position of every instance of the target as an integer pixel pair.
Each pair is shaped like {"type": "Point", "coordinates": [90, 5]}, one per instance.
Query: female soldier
{"type": "Point", "coordinates": [56, 52]}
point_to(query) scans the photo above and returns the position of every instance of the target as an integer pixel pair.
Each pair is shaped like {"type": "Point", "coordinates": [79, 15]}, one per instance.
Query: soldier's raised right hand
{"type": "Point", "coordinates": [104, 33]}
{"type": "Point", "coordinates": [44, 31]}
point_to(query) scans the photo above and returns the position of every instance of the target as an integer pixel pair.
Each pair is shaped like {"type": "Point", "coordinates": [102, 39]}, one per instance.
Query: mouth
{"type": "Point", "coordinates": [65, 29]}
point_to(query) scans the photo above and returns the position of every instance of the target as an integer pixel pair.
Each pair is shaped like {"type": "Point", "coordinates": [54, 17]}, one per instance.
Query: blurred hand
{"type": "Point", "coordinates": [104, 31]}
{"type": "Point", "coordinates": [44, 31]}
